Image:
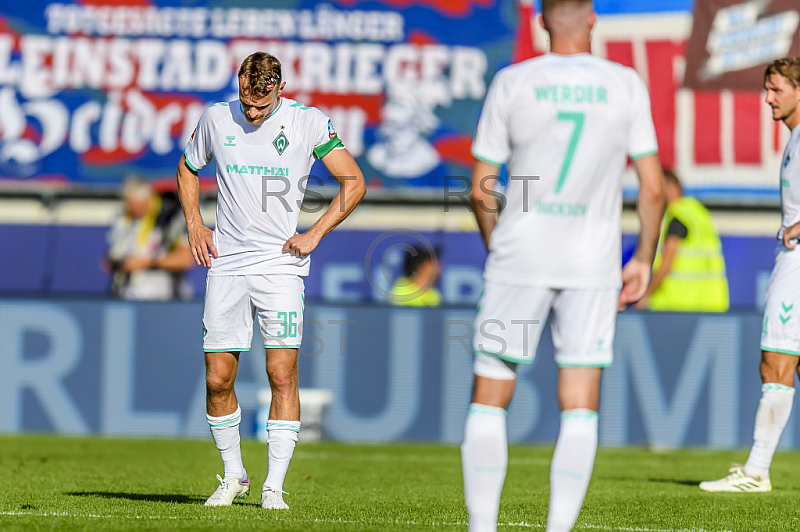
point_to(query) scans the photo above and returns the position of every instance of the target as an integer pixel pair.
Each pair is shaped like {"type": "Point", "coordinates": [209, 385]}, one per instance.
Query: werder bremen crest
{"type": "Point", "coordinates": [280, 143]}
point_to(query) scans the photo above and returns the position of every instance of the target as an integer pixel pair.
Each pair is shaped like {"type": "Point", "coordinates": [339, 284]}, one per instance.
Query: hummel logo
{"type": "Point", "coordinates": [230, 138]}
{"type": "Point", "coordinates": [786, 309]}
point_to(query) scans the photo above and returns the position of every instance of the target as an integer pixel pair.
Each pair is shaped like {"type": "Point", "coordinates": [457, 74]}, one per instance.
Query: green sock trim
{"type": "Point", "coordinates": [775, 387]}
{"type": "Point", "coordinates": [579, 413]}
{"type": "Point", "coordinates": [488, 410]}
{"type": "Point", "coordinates": [226, 423]}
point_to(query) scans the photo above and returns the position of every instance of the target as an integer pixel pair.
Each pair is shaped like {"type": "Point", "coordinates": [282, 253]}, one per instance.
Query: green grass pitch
{"type": "Point", "coordinates": [53, 483]}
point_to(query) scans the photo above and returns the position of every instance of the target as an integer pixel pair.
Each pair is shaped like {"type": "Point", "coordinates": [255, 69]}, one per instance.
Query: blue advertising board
{"type": "Point", "coordinates": [78, 367]}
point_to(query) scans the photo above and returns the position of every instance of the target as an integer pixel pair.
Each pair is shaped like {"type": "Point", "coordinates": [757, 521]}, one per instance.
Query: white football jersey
{"type": "Point", "coordinates": [261, 177]}
{"type": "Point", "coordinates": [565, 126]}
{"type": "Point", "coordinates": [790, 182]}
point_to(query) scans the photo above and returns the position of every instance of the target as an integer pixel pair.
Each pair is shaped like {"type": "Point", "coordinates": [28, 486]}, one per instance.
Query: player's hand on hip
{"type": "Point", "coordinates": [301, 245]}
{"type": "Point", "coordinates": [635, 278]}
{"type": "Point", "coordinates": [790, 234]}
{"type": "Point", "coordinates": [201, 240]}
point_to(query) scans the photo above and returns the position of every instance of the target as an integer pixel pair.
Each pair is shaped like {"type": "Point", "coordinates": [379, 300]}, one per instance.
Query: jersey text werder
{"type": "Point", "coordinates": [565, 126]}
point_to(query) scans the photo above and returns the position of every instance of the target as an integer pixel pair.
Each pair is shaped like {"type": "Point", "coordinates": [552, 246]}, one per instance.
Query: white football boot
{"type": "Point", "coordinates": [272, 499]}
{"type": "Point", "coordinates": [737, 482]}
{"type": "Point", "coordinates": [228, 490]}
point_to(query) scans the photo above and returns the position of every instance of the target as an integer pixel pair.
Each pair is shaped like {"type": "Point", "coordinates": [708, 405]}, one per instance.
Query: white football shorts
{"type": "Point", "coordinates": [780, 332]}
{"type": "Point", "coordinates": [511, 318]}
{"type": "Point", "coordinates": [233, 301]}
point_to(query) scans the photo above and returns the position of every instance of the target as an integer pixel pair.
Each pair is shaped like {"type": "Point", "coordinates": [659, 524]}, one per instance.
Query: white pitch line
{"type": "Point", "coordinates": [379, 457]}
{"type": "Point", "coordinates": [522, 524]}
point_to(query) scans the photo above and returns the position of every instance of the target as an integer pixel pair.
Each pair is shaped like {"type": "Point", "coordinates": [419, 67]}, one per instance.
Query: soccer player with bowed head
{"type": "Point", "coordinates": [264, 146]}
{"type": "Point", "coordinates": [780, 334]}
{"type": "Point", "coordinates": [564, 124]}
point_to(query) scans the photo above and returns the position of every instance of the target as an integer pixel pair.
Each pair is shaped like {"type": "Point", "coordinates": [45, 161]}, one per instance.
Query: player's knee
{"type": "Point", "coordinates": [218, 383]}
{"type": "Point", "coordinates": [282, 379]}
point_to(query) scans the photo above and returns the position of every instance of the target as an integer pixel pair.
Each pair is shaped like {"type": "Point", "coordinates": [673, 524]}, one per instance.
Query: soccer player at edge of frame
{"type": "Point", "coordinates": [573, 120]}
{"type": "Point", "coordinates": [255, 257]}
{"type": "Point", "coordinates": [780, 333]}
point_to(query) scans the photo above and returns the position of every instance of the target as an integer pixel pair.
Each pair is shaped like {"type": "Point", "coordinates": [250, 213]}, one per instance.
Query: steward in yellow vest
{"type": "Point", "coordinates": [416, 288]}
{"type": "Point", "coordinates": [689, 269]}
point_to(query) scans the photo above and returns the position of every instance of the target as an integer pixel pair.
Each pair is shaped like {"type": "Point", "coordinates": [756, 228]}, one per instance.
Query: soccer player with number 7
{"type": "Point", "coordinates": [264, 146]}
{"type": "Point", "coordinates": [564, 124]}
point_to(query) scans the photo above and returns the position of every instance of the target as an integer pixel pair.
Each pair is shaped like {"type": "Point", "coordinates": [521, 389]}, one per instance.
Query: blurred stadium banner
{"type": "Point", "coordinates": [93, 90]}
{"type": "Point", "coordinates": [395, 374]}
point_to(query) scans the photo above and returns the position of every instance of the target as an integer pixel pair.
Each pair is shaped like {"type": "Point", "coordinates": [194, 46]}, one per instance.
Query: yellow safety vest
{"type": "Point", "coordinates": [696, 282]}
{"type": "Point", "coordinates": [403, 288]}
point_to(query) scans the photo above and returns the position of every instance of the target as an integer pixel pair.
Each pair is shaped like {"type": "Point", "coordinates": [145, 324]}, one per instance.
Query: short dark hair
{"type": "Point", "coordinates": [547, 5]}
{"type": "Point", "coordinates": [263, 73]}
{"type": "Point", "coordinates": [788, 67]}
{"type": "Point", "coordinates": [415, 257]}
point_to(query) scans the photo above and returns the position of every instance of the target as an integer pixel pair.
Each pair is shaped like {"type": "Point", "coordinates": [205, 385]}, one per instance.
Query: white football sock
{"type": "Point", "coordinates": [281, 437]}
{"type": "Point", "coordinates": [773, 413]}
{"type": "Point", "coordinates": [225, 431]}
{"type": "Point", "coordinates": [484, 458]}
{"type": "Point", "coordinates": [571, 468]}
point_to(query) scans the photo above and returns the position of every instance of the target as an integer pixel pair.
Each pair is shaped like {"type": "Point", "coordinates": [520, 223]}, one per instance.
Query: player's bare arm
{"type": "Point", "coordinates": [200, 237]}
{"type": "Point", "coordinates": [667, 258]}
{"type": "Point", "coordinates": [650, 208]}
{"type": "Point", "coordinates": [352, 189]}
{"type": "Point", "coordinates": [484, 202]}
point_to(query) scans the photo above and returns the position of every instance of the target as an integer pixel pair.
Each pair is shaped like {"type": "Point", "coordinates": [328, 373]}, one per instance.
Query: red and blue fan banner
{"type": "Point", "coordinates": [92, 91]}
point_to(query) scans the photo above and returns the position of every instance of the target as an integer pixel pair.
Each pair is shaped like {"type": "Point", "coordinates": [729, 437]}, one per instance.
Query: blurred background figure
{"type": "Point", "coordinates": [689, 269]}
{"type": "Point", "coordinates": [148, 247]}
{"type": "Point", "coordinates": [416, 287]}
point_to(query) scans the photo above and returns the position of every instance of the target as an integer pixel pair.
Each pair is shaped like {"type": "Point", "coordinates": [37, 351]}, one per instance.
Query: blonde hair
{"type": "Point", "coordinates": [262, 72]}
{"type": "Point", "coordinates": [788, 67]}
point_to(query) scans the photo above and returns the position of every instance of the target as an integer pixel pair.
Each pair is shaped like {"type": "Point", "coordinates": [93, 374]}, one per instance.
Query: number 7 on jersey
{"type": "Point", "coordinates": [573, 143]}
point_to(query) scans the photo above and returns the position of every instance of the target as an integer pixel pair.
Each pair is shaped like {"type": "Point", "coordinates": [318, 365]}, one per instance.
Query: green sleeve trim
{"type": "Point", "coordinates": [487, 161]}
{"type": "Point", "coordinates": [190, 165]}
{"type": "Point", "coordinates": [324, 149]}
{"type": "Point", "coordinates": [645, 154]}
{"type": "Point", "coordinates": [228, 350]}
{"type": "Point", "coordinates": [782, 351]}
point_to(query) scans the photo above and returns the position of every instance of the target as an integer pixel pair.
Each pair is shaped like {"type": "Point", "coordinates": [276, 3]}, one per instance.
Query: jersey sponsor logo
{"type": "Point", "coordinates": [571, 94]}
{"type": "Point", "coordinates": [230, 139]}
{"type": "Point", "coordinates": [331, 131]}
{"type": "Point", "coordinates": [282, 171]}
{"type": "Point", "coordinates": [280, 143]}
{"type": "Point", "coordinates": [786, 161]}
{"type": "Point", "coordinates": [193, 132]}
